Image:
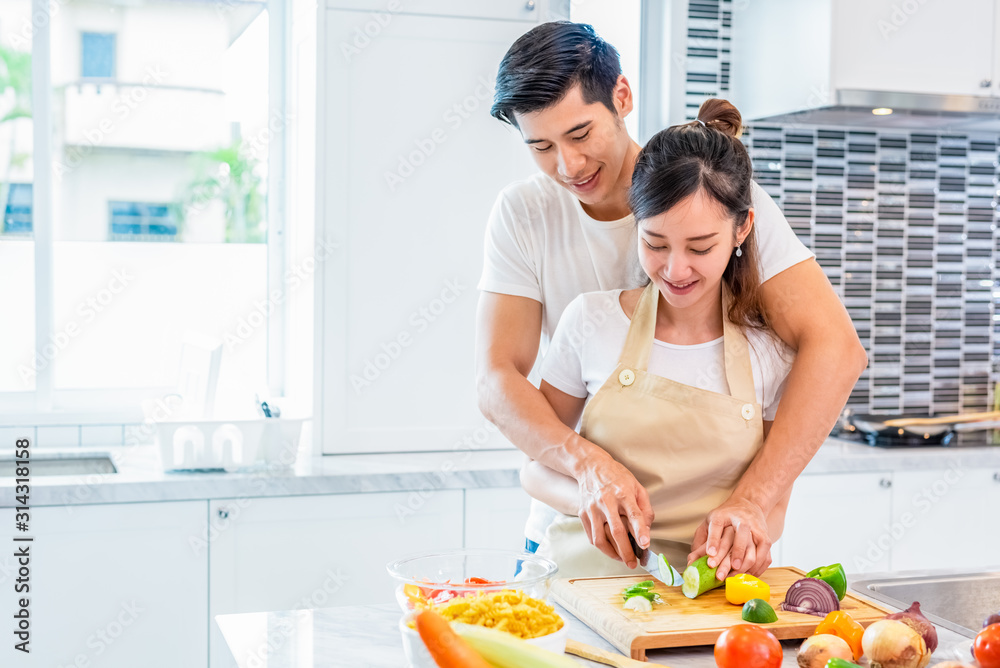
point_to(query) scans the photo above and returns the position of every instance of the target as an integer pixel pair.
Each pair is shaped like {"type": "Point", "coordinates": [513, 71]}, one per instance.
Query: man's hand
{"type": "Point", "coordinates": [735, 537]}
{"type": "Point", "coordinates": [609, 494]}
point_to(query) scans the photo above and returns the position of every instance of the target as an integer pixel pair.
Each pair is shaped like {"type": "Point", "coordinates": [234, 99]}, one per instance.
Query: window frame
{"type": "Point", "coordinates": [47, 405]}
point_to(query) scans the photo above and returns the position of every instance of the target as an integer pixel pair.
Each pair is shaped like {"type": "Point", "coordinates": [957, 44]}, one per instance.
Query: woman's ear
{"type": "Point", "coordinates": [744, 231]}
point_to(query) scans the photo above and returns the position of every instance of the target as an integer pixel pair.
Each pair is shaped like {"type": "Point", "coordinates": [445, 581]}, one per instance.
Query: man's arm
{"type": "Point", "coordinates": [507, 334]}
{"type": "Point", "coordinates": [805, 312]}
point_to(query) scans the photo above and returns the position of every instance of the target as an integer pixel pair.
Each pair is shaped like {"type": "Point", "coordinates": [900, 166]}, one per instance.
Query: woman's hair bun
{"type": "Point", "coordinates": [721, 115]}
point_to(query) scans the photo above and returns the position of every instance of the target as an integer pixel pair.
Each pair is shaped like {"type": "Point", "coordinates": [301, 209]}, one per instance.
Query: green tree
{"type": "Point", "coordinates": [229, 175]}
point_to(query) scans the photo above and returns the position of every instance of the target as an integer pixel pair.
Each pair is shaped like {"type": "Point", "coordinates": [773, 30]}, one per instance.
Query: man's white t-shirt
{"type": "Point", "coordinates": [541, 244]}
{"type": "Point", "coordinates": [588, 342]}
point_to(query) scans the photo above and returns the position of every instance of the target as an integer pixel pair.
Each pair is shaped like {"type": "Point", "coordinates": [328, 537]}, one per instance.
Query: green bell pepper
{"type": "Point", "coordinates": [837, 662]}
{"type": "Point", "coordinates": [834, 576]}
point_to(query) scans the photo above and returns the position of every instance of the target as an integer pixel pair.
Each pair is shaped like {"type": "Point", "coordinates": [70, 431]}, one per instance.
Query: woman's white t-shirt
{"type": "Point", "coordinates": [589, 339]}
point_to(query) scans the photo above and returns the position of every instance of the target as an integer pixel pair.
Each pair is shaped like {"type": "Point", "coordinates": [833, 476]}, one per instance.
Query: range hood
{"type": "Point", "coordinates": [933, 67]}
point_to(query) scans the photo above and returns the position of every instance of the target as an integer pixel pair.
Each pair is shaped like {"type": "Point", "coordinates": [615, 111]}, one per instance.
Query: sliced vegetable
{"type": "Point", "coordinates": [743, 587]}
{"type": "Point", "coordinates": [758, 611]}
{"type": "Point", "coordinates": [834, 576]}
{"type": "Point", "coordinates": [986, 647]}
{"type": "Point", "coordinates": [915, 619]}
{"type": "Point", "coordinates": [444, 645]}
{"type": "Point", "coordinates": [747, 646]}
{"type": "Point", "coordinates": [638, 604]}
{"type": "Point", "coordinates": [842, 625]}
{"type": "Point", "coordinates": [840, 663]}
{"type": "Point", "coordinates": [642, 589]}
{"type": "Point", "coordinates": [817, 650]}
{"type": "Point", "coordinates": [699, 577]}
{"type": "Point", "coordinates": [502, 650]}
{"type": "Point", "coordinates": [665, 568]}
{"type": "Point", "coordinates": [892, 644]}
{"type": "Point", "coordinates": [812, 597]}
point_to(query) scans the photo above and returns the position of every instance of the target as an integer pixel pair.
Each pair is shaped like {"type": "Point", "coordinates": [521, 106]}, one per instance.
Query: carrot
{"type": "Point", "coordinates": [444, 645]}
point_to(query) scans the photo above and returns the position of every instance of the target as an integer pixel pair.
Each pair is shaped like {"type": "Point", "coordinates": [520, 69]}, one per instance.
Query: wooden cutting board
{"type": "Point", "coordinates": [683, 622]}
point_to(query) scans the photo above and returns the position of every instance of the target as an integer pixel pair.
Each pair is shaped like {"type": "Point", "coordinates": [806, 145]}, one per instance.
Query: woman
{"type": "Point", "coordinates": [678, 381]}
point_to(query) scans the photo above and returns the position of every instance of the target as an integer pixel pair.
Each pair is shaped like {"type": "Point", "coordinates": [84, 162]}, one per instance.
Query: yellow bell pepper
{"type": "Point", "coordinates": [743, 587]}
{"type": "Point", "coordinates": [842, 625]}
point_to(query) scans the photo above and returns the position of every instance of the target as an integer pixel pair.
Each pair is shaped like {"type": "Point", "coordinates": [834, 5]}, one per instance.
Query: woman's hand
{"type": "Point", "coordinates": [735, 537]}
{"type": "Point", "coordinates": [610, 494]}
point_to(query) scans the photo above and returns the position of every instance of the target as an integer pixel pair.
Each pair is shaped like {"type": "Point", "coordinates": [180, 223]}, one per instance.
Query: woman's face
{"type": "Point", "coordinates": [685, 250]}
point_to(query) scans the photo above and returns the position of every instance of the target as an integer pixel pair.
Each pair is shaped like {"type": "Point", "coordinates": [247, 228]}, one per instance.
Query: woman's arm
{"type": "Point", "coordinates": [551, 487]}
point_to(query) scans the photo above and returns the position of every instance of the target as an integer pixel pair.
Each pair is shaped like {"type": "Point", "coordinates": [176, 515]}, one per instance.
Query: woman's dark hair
{"type": "Point", "coordinates": [707, 155]}
{"type": "Point", "coordinates": [545, 62]}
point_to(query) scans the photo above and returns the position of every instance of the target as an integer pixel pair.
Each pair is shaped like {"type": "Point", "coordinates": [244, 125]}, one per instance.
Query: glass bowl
{"type": "Point", "coordinates": [437, 577]}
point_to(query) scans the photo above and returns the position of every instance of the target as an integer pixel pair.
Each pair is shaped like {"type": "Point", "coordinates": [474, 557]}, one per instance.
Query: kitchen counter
{"type": "Point", "coordinates": [368, 637]}
{"type": "Point", "coordinates": [140, 478]}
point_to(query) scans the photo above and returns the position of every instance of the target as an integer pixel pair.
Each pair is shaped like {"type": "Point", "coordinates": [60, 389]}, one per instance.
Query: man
{"type": "Point", "coordinates": [568, 230]}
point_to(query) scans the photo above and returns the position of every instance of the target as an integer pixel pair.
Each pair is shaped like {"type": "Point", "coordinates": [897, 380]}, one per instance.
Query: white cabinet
{"type": "Point", "coordinates": [495, 517]}
{"type": "Point", "coordinates": [319, 551]}
{"type": "Point", "coordinates": [842, 517]}
{"type": "Point", "coordinates": [913, 46]}
{"type": "Point", "coordinates": [511, 10]}
{"type": "Point", "coordinates": [113, 586]}
{"type": "Point", "coordinates": [942, 519]}
{"type": "Point", "coordinates": [410, 163]}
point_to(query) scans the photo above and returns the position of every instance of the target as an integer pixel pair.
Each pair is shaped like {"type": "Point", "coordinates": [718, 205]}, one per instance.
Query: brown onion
{"type": "Point", "coordinates": [915, 619]}
{"type": "Point", "coordinates": [818, 649]}
{"type": "Point", "coordinates": [889, 643]}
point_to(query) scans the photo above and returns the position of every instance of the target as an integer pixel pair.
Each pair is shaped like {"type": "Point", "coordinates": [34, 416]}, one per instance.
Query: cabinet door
{"type": "Point", "coordinates": [495, 517]}
{"type": "Point", "coordinates": [919, 47]}
{"type": "Point", "coordinates": [319, 551]}
{"type": "Point", "coordinates": [512, 10]}
{"type": "Point", "coordinates": [941, 518]}
{"type": "Point", "coordinates": [411, 163]}
{"type": "Point", "coordinates": [112, 586]}
{"type": "Point", "coordinates": [843, 517]}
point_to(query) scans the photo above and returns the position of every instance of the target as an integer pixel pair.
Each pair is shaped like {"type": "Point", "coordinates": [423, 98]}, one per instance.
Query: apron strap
{"type": "Point", "coordinates": [739, 372]}
{"type": "Point", "coordinates": [641, 331]}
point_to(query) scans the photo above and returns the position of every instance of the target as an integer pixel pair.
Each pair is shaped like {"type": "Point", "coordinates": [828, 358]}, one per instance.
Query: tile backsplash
{"type": "Point", "coordinates": [904, 225]}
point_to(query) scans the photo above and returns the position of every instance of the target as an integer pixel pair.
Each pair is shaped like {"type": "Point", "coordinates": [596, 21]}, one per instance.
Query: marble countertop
{"type": "Point", "coordinates": [368, 637]}
{"type": "Point", "coordinates": [140, 478]}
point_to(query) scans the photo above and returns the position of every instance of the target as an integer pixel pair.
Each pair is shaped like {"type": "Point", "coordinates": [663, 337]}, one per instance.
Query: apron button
{"type": "Point", "coordinates": [748, 411]}
{"type": "Point", "coordinates": [626, 377]}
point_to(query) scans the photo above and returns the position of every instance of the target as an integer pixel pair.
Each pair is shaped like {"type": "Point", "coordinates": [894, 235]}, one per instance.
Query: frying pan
{"type": "Point", "coordinates": [872, 428]}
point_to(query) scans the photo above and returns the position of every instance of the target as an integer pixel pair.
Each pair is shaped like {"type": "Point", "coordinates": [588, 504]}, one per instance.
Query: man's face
{"type": "Point", "coordinates": [581, 146]}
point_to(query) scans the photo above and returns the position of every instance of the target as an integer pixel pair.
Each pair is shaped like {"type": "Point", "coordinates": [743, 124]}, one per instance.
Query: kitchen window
{"type": "Point", "coordinates": [138, 160]}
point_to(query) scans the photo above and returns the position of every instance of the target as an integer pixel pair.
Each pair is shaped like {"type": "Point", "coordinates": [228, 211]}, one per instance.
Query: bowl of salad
{"type": "Point", "coordinates": [433, 578]}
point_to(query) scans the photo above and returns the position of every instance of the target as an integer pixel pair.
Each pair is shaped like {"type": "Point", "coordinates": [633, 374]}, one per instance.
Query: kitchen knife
{"type": "Point", "coordinates": [656, 565]}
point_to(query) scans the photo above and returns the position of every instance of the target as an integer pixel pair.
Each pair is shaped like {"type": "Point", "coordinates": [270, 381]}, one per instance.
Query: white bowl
{"type": "Point", "coordinates": [418, 656]}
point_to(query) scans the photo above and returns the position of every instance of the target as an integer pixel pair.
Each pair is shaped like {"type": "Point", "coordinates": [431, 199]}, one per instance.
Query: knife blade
{"type": "Point", "coordinates": [655, 564]}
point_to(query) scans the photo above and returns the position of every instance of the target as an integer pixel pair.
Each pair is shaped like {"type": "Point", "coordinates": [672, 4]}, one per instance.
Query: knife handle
{"type": "Point", "coordinates": [585, 651]}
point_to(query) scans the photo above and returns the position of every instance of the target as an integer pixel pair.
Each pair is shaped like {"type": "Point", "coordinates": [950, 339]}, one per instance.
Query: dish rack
{"type": "Point", "coordinates": [230, 445]}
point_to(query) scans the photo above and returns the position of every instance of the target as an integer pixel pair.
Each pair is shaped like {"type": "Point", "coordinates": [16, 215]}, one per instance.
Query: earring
{"type": "Point", "coordinates": [739, 251]}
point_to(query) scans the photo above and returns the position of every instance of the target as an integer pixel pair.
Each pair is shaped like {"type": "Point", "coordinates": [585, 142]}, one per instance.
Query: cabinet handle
{"type": "Point", "coordinates": [986, 83]}
{"type": "Point", "coordinates": [223, 513]}
{"type": "Point", "coordinates": [885, 483]}
{"type": "Point", "coordinates": [530, 5]}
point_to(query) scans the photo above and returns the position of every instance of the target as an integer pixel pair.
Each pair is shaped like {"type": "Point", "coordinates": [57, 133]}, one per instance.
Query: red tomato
{"type": "Point", "coordinates": [986, 647]}
{"type": "Point", "coordinates": [747, 646]}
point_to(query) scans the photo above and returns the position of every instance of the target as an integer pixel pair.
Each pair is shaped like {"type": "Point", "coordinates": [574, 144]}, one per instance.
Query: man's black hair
{"type": "Point", "coordinates": [545, 62]}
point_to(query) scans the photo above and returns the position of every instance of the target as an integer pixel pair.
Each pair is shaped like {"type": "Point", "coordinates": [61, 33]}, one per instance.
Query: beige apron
{"type": "Point", "coordinates": [687, 446]}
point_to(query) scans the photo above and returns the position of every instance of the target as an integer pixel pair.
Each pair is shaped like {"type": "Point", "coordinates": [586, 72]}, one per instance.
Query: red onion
{"type": "Point", "coordinates": [915, 619]}
{"type": "Point", "coordinates": [992, 619]}
{"type": "Point", "coordinates": [811, 596]}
